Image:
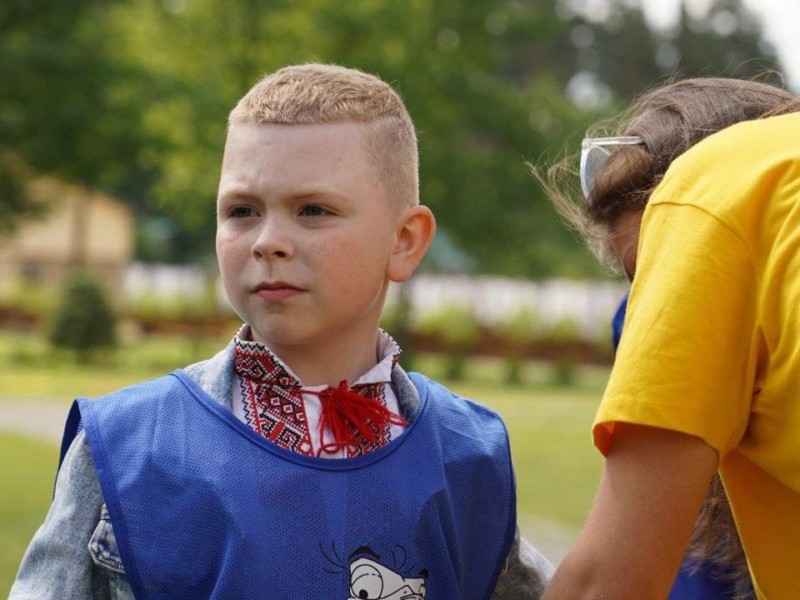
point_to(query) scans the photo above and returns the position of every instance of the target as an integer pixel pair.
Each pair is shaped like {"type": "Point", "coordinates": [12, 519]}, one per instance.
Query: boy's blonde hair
{"type": "Point", "coordinates": [316, 93]}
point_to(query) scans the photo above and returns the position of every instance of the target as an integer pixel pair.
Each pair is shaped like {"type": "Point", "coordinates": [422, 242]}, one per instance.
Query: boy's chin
{"type": "Point", "coordinates": [274, 338]}
{"type": "Point", "coordinates": [258, 335]}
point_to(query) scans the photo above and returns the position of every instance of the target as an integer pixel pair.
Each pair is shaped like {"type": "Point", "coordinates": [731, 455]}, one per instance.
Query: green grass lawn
{"type": "Point", "coordinates": [27, 473]}
{"type": "Point", "coordinates": [29, 368]}
{"type": "Point", "coordinates": [556, 466]}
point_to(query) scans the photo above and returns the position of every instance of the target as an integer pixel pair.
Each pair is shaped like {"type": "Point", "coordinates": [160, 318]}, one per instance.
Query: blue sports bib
{"type": "Point", "coordinates": [203, 507]}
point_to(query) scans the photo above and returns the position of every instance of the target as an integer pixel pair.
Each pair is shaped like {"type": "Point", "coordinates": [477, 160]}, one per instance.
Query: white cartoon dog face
{"type": "Point", "coordinates": [370, 580]}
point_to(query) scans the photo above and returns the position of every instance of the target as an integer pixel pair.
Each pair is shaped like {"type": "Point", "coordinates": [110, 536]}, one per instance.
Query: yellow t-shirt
{"type": "Point", "coordinates": [712, 334]}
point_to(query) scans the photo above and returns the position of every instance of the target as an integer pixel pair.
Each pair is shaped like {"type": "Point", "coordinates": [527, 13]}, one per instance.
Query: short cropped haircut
{"type": "Point", "coordinates": [317, 94]}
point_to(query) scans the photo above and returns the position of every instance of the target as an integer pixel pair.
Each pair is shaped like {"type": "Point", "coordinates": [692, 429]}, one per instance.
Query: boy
{"type": "Point", "coordinates": [214, 482]}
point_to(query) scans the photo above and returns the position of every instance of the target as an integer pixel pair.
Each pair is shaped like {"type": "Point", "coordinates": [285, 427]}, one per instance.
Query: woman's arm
{"type": "Point", "coordinates": [650, 493]}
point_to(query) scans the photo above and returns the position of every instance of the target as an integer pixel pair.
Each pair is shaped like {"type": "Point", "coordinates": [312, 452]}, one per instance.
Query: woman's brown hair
{"type": "Point", "coordinates": [670, 120]}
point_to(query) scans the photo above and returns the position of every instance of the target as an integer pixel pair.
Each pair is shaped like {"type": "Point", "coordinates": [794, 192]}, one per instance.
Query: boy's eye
{"type": "Point", "coordinates": [313, 210]}
{"type": "Point", "coordinates": [241, 212]}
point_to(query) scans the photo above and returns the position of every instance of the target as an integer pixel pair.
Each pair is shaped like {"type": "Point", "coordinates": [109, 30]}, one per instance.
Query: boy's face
{"type": "Point", "coordinates": [305, 233]}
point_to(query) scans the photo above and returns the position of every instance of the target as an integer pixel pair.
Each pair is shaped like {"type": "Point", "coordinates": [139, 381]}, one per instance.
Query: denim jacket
{"type": "Point", "coordinates": [74, 556]}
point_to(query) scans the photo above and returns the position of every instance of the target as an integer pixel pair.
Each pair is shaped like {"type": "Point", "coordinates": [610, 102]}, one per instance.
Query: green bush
{"type": "Point", "coordinates": [457, 327]}
{"type": "Point", "coordinates": [150, 308]}
{"type": "Point", "coordinates": [454, 324]}
{"type": "Point", "coordinates": [27, 297]}
{"type": "Point", "coordinates": [396, 320]}
{"type": "Point", "coordinates": [519, 329]}
{"type": "Point", "coordinates": [391, 316]}
{"type": "Point", "coordinates": [565, 331]}
{"type": "Point", "coordinates": [565, 373]}
{"type": "Point", "coordinates": [84, 321]}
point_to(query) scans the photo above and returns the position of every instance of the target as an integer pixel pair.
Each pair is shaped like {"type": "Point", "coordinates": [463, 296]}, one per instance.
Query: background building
{"type": "Point", "coordinates": [82, 228]}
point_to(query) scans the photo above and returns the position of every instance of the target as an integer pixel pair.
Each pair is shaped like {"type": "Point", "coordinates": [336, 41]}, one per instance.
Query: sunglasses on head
{"type": "Point", "coordinates": [595, 152]}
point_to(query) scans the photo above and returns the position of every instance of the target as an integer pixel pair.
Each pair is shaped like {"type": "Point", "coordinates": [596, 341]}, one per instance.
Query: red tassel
{"type": "Point", "coordinates": [348, 415]}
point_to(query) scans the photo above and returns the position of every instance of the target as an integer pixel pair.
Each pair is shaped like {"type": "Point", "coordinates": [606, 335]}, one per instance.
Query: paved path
{"type": "Point", "coordinates": [550, 537]}
{"type": "Point", "coordinates": [36, 418]}
{"type": "Point", "coordinates": [45, 420]}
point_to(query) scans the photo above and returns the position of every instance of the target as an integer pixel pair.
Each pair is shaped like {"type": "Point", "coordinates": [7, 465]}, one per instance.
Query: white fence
{"type": "Point", "coordinates": [590, 304]}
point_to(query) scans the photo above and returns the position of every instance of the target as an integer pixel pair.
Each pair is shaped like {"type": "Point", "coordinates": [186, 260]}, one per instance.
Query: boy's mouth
{"type": "Point", "coordinates": [274, 285]}
{"type": "Point", "coordinates": [276, 290]}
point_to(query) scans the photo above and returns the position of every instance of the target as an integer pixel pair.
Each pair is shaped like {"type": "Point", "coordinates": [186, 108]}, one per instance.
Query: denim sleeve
{"type": "Point", "coordinates": [526, 573]}
{"type": "Point", "coordinates": [58, 563]}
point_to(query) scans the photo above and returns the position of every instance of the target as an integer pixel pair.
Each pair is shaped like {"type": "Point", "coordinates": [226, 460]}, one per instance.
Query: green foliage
{"type": "Point", "coordinates": [391, 317]}
{"type": "Point", "coordinates": [564, 329]}
{"type": "Point", "coordinates": [396, 320]}
{"type": "Point", "coordinates": [148, 308]}
{"type": "Point", "coordinates": [84, 320]}
{"type": "Point", "coordinates": [519, 329]}
{"type": "Point", "coordinates": [15, 206]}
{"type": "Point", "coordinates": [513, 374]}
{"type": "Point", "coordinates": [457, 327]}
{"type": "Point", "coordinates": [564, 373]}
{"type": "Point", "coordinates": [68, 105]}
{"type": "Point", "coordinates": [25, 297]}
{"type": "Point", "coordinates": [131, 96]}
{"type": "Point", "coordinates": [455, 324]}
{"type": "Point", "coordinates": [627, 57]}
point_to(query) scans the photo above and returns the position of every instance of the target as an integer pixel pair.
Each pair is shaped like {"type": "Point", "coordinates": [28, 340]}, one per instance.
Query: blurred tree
{"type": "Point", "coordinates": [15, 206]}
{"type": "Point", "coordinates": [487, 84]}
{"type": "Point", "coordinates": [66, 105]}
{"type": "Point", "coordinates": [727, 41]}
{"type": "Point", "coordinates": [620, 56]}
{"type": "Point", "coordinates": [479, 113]}
{"type": "Point", "coordinates": [132, 96]}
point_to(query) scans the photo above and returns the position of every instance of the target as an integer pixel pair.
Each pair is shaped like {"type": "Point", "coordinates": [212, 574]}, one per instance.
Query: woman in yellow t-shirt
{"type": "Point", "coordinates": [697, 199]}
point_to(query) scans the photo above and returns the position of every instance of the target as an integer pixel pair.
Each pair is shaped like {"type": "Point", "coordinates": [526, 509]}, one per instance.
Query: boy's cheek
{"type": "Point", "coordinates": [226, 234]}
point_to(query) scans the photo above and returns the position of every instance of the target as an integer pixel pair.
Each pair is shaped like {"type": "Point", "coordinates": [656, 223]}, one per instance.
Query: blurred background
{"type": "Point", "coordinates": [112, 123]}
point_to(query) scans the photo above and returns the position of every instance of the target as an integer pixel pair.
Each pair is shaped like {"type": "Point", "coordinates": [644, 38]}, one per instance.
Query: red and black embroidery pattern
{"type": "Point", "coordinates": [274, 407]}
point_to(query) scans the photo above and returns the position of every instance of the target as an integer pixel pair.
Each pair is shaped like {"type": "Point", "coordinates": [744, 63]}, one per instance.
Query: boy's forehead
{"type": "Point", "coordinates": [315, 132]}
{"type": "Point", "coordinates": [324, 142]}
{"type": "Point", "coordinates": [333, 154]}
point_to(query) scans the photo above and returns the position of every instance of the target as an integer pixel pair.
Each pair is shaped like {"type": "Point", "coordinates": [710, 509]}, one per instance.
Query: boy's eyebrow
{"type": "Point", "coordinates": [237, 191]}
{"type": "Point", "coordinates": [320, 194]}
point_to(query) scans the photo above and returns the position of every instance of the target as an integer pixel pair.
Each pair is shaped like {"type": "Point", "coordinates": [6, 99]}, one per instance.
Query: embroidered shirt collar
{"type": "Point", "coordinates": [269, 368]}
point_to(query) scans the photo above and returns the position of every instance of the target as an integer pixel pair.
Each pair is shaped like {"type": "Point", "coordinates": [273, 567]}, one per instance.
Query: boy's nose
{"type": "Point", "coordinates": [272, 241]}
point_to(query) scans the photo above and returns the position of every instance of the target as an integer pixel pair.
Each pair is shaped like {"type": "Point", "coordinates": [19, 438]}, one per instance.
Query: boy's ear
{"type": "Point", "coordinates": [415, 230]}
